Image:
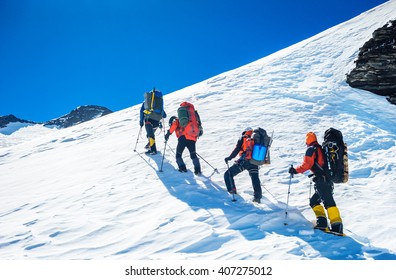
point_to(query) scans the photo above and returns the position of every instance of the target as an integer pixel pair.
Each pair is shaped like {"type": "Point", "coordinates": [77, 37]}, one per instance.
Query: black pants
{"type": "Point", "coordinates": [323, 193]}
{"type": "Point", "coordinates": [253, 173]}
{"type": "Point", "coordinates": [190, 145]}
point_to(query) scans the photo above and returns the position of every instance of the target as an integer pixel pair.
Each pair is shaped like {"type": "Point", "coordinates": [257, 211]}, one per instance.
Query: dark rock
{"type": "Point", "coordinates": [375, 69]}
{"type": "Point", "coordinates": [5, 120]}
{"type": "Point", "coordinates": [79, 115]}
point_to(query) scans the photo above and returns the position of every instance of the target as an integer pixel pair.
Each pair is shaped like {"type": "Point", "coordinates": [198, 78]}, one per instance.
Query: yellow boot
{"type": "Point", "coordinates": [321, 220]}
{"type": "Point", "coordinates": [335, 220]}
{"type": "Point", "coordinates": [153, 148]}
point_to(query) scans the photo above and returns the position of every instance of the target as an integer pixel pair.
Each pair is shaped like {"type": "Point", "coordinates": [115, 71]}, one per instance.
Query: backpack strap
{"type": "Point", "coordinates": [317, 169]}
{"type": "Point", "coordinates": [152, 100]}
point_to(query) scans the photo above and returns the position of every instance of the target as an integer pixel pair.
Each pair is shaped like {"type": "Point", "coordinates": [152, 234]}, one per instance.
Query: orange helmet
{"type": "Point", "coordinates": [310, 138]}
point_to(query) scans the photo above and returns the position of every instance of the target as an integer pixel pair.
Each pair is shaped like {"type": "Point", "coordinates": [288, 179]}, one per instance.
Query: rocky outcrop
{"type": "Point", "coordinates": [79, 115]}
{"type": "Point", "coordinates": [5, 120]}
{"type": "Point", "coordinates": [375, 69]}
{"type": "Point", "coordinates": [9, 124]}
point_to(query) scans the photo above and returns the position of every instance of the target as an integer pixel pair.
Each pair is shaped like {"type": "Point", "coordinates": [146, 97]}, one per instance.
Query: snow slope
{"type": "Point", "coordinates": [83, 193]}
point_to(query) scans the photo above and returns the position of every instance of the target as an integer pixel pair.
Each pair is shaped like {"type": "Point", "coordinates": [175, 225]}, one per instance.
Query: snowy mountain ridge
{"type": "Point", "coordinates": [83, 193]}
{"type": "Point", "coordinates": [10, 124]}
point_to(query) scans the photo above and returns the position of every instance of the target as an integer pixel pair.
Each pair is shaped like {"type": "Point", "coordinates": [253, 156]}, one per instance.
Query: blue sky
{"type": "Point", "coordinates": [57, 55]}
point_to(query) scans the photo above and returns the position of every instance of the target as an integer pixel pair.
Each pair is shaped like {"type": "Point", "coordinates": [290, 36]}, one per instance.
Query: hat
{"type": "Point", "coordinates": [310, 138]}
{"type": "Point", "coordinates": [171, 120]}
{"type": "Point", "coordinates": [248, 131]}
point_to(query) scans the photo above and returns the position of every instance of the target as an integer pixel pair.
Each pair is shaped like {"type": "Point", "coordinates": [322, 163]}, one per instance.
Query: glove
{"type": "Point", "coordinates": [141, 123]}
{"type": "Point", "coordinates": [227, 159]}
{"type": "Point", "coordinates": [167, 135]}
{"type": "Point", "coordinates": [292, 170]}
{"type": "Point", "coordinates": [160, 125]}
{"type": "Point", "coordinates": [200, 132]}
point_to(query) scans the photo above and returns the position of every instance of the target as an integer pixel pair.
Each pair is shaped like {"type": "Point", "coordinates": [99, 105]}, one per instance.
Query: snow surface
{"type": "Point", "coordinates": [83, 193]}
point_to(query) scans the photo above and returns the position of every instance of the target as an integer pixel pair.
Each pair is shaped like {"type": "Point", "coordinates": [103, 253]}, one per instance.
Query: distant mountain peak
{"type": "Point", "coordinates": [5, 120]}
{"type": "Point", "coordinates": [79, 115]}
{"type": "Point", "coordinates": [10, 123]}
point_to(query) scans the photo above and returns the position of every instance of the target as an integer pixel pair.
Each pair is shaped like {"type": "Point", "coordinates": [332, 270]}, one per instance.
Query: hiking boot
{"type": "Point", "coordinates": [321, 223]}
{"type": "Point", "coordinates": [197, 173]}
{"type": "Point", "coordinates": [182, 169]}
{"type": "Point", "coordinates": [150, 152]}
{"type": "Point", "coordinates": [337, 228]}
{"type": "Point", "coordinates": [233, 191]}
{"type": "Point", "coordinates": [256, 200]}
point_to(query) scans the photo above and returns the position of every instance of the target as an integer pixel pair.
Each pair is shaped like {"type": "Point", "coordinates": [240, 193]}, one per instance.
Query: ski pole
{"type": "Point", "coordinates": [232, 185]}
{"type": "Point", "coordinates": [163, 157]}
{"type": "Point", "coordinates": [172, 150]}
{"type": "Point", "coordinates": [137, 140]}
{"type": "Point", "coordinates": [215, 169]}
{"type": "Point", "coordinates": [288, 194]}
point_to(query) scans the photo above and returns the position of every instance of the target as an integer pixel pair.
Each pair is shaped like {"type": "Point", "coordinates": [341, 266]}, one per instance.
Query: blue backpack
{"type": "Point", "coordinates": [262, 143]}
{"type": "Point", "coordinates": [153, 104]}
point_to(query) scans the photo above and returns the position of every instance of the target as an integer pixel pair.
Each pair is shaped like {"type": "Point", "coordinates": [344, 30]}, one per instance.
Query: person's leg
{"type": "Point", "coordinates": [229, 177]}
{"type": "Point", "coordinates": [254, 176]}
{"type": "Point", "coordinates": [181, 145]}
{"type": "Point", "coordinates": [191, 146]}
{"type": "Point", "coordinates": [150, 130]}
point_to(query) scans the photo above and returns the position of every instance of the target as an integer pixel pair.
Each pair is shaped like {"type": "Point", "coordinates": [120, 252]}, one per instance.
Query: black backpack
{"type": "Point", "coordinates": [335, 156]}
{"type": "Point", "coordinates": [262, 142]}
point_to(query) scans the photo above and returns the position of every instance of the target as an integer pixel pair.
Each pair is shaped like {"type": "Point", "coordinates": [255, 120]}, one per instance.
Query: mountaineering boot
{"type": "Point", "coordinates": [197, 166]}
{"type": "Point", "coordinates": [321, 220]}
{"type": "Point", "coordinates": [151, 152]}
{"type": "Point", "coordinates": [233, 191]}
{"type": "Point", "coordinates": [335, 220]}
{"type": "Point", "coordinates": [197, 170]}
{"type": "Point", "coordinates": [257, 200]}
{"type": "Point", "coordinates": [152, 147]}
{"type": "Point", "coordinates": [182, 168]}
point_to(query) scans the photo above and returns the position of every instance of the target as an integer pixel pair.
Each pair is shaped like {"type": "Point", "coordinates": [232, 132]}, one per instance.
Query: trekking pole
{"type": "Point", "coordinates": [262, 185]}
{"type": "Point", "coordinates": [163, 126]}
{"type": "Point", "coordinates": [288, 194]}
{"type": "Point", "coordinates": [137, 140]}
{"type": "Point", "coordinates": [310, 185]}
{"type": "Point", "coordinates": [172, 150]}
{"type": "Point", "coordinates": [163, 157]}
{"type": "Point", "coordinates": [215, 169]}
{"type": "Point", "coordinates": [233, 187]}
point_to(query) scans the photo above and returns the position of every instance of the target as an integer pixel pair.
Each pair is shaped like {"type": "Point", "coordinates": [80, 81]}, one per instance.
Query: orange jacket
{"type": "Point", "coordinates": [310, 157]}
{"type": "Point", "coordinates": [244, 147]}
{"type": "Point", "coordinates": [180, 131]}
{"type": "Point", "coordinates": [247, 147]}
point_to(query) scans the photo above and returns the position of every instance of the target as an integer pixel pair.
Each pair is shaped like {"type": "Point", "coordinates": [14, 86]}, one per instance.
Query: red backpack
{"type": "Point", "coordinates": [189, 120]}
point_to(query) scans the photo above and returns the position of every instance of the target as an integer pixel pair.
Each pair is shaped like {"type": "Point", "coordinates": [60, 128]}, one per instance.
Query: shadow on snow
{"type": "Point", "coordinates": [255, 222]}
